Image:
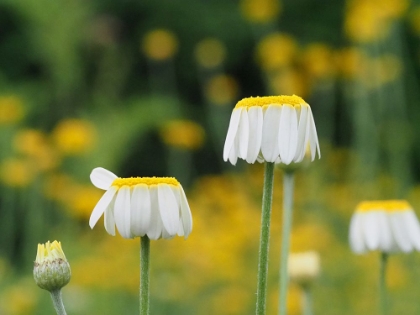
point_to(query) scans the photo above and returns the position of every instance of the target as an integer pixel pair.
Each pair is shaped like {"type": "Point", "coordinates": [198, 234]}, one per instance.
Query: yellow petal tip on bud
{"type": "Point", "coordinates": [293, 100]}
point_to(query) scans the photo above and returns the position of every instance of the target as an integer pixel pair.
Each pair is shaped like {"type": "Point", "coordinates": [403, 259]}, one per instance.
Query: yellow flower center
{"type": "Point", "coordinates": [386, 205]}
{"type": "Point", "coordinates": [133, 181]}
{"type": "Point", "coordinates": [292, 100]}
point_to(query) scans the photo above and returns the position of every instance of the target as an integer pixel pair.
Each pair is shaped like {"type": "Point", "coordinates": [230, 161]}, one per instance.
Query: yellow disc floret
{"type": "Point", "coordinates": [133, 181]}
{"type": "Point", "coordinates": [292, 100]}
{"type": "Point", "coordinates": [383, 205]}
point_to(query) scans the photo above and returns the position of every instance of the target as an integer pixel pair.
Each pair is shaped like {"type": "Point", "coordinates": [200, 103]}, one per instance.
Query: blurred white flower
{"type": "Point", "coordinates": [138, 206]}
{"type": "Point", "coordinates": [303, 268]}
{"type": "Point", "coordinates": [388, 226]}
{"type": "Point", "coordinates": [271, 129]}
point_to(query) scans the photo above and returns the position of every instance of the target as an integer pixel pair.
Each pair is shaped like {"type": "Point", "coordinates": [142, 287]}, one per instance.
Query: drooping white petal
{"type": "Point", "coordinates": [356, 240]}
{"type": "Point", "coordinates": [243, 134]}
{"type": "Point", "coordinates": [371, 229]}
{"type": "Point", "coordinates": [288, 134]}
{"type": "Point", "coordinates": [140, 210]}
{"type": "Point", "coordinates": [313, 136]}
{"type": "Point", "coordinates": [180, 228]}
{"type": "Point", "coordinates": [231, 134]}
{"type": "Point", "coordinates": [385, 236]}
{"type": "Point", "coordinates": [109, 221]}
{"type": "Point", "coordinates": [186, 216]}
{"type": "Point", "coordinates": [400, 233]}
{"type": "Point", "coordinates": [122, 212]}
{"type": "Point", "coordinates": [413, 227]}
{"type": "Point", "coordinates": [270, 134]}
{"type": "Point", "coordinates": [233, 155]}
{"type": "Point", "coordinates": [101, 206]}
{"type": "Point", "coordinates": [168, 208]}
{"type": "Point", "coordinates": [102, 178]}
{"type": "Point", "coordinates": [302, 132]}
{"type": "Point", "coordinates": [155, 228]}
{"type": "Point", "coordinates": [255, 118]}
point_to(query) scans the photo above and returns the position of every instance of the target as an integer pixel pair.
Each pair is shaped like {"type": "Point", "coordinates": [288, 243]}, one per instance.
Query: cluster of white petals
{"type": "Point", "coordinates": [152, 206]}
{"type": "Point", "coordinates": [388, 226]}
{"type": "Point", "coordinates": [271, 129]}
{"type": "Point", "coordinates": [304, 267]}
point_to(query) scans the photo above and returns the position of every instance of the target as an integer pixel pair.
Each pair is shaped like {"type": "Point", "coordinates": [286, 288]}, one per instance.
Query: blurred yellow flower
{"type": "Point", "coordinates": [17, 172]}
{"type": "Point", "coordinates": [288, 81]}
{"type": "Point", "coordinates": [210, 53]}
{"type": "Point", "coordinates": [74, 136]}
{"type": "Point", "coordinates": [415, 20]}
{"type": "Point", "coordinates": [82, 200]}
{"type": "Point", "coordinates": [351, 61]}
{"type": "Point", "coordinates": [318, 60]}
{"type": "Point", "coordinates": [260, 11]}
{"type": "Point", "coordinates": [11, 109]}
{"type": "Point", "coordinates": [276, 50]}
{"type": "Point", "coordinates": [304, 267]}
{"type": "Point", "coordinates": [183, 134]}
{"type": "Point", "coordinates": [221, 89]}
{"type": "Point", "coordinates": [370, 20]}
{"type": "Point", "coordinates": [160, 44]}
{"type": "Point", "coordinates": [19, 299]}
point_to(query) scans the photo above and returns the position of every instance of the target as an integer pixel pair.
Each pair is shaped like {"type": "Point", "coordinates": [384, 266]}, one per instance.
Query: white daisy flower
{"type": "Point", "coordinates": [138, 206]}
{"type": "Point", "coordinates": [303, 268]}
{"type": "Point", "coordinates": [388, 226]}
{"type": "Point", "coordinates": [271, 129]}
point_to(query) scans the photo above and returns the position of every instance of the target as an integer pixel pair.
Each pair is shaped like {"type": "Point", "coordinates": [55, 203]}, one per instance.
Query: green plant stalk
{"type": "Point", "coordinates": [288, 182]}
{"type": "Point", "coordinates": [307, 300]}
{"type": "Point", "coordinates": [382, 284]}
{"type": "Point", "coordinates": [58, 302]}
{"type": "Point", "coordinates": [144, 275]}
{"type": "Point", "coordinates": [264, 238]}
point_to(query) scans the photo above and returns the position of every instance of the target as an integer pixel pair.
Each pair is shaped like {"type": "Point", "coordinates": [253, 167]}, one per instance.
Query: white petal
{"type": "Point", "coordinates": [155, 228]}
{"type": "Point", "coordinates": [109, 221]}
{"type": "Point", "coordinates": [357, 243]}
{"type": "Point", "coordinates": [400, 233]}
{"type": "Point", "coordinates": [168, 208]}
{"type": "Point", "coordinates": [233, 155]}
{"type": "Point", "coordinates": [313, 136]}
{"type": "Point", "coordinates": [385, 235]}
{"type": "Point", "coordinates": [180, 228]}
{"type": "Point", "coordinates": [140, 210]}
{"type": "Point", "coordinates": [371, 229]}
{"type": "Point", "coordinates": [231, 134]}
{"type": "Point", "coordinates": [302, 131]}
{"type": "Point", "coordinates": [288, 134]}
{"type": "Point", "coordinates": [243, 134]}
{"type": "Point", "coordinates": [122, 212]}
{"type": "Point", "coordinates": [186, 216]}
{"type": "Point", "coordinates": [102, 178]}
{"type": "Point", "coordinates": [255, 118]}
{"type": "Point", "coordinates": [101, 206]}
{"type": "Point", "coordinates": [270, 134]}
{"type": "Point", "coordinates": [413, 228]}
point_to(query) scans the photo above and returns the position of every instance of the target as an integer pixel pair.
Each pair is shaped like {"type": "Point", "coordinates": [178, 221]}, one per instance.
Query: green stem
{"type": "Point", "coordinates": [307, 300]}
{"type": "Point", "coordinates": [58, 302]}
{"type": "Point", "coordinates": [264, 238]}
{"type": "Point", "coordinates": [382, 284]}
{"type": "Point", "coordinates": [144, 275]}
{"type": "Point", "coordinates": [285, 242]}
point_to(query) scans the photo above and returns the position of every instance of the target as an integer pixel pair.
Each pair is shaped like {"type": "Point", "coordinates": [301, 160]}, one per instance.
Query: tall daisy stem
{"type": "Point", "coordinates": [264, 238]}
{"type": "Point", "coordinates": [285, 242]}
{"type": "Point", "coordinates": [382, 284]}
{"type": "Point", "coordinates": [144, 275]}
{"type": "Point", "coordinates": [58, 302]}
{"type": "Point", "coordinates": [307, 300]}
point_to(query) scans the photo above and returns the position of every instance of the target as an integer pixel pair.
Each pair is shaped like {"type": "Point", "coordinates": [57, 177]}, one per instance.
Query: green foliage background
{"type": "Point", "coordinates": [84, 65]}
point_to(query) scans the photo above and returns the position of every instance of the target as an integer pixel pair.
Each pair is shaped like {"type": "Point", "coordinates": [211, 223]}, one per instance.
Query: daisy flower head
{"type": "Point", "coordinates": [138, 206]}
{"type": "Point", "coordinates": [271, 129]}
{"type": "Point", "coordinates": [389, 226]}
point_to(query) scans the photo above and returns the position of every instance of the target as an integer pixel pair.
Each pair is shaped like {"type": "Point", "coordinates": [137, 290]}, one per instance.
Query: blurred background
{"type": "Point", "coordinates": [146, 88]}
